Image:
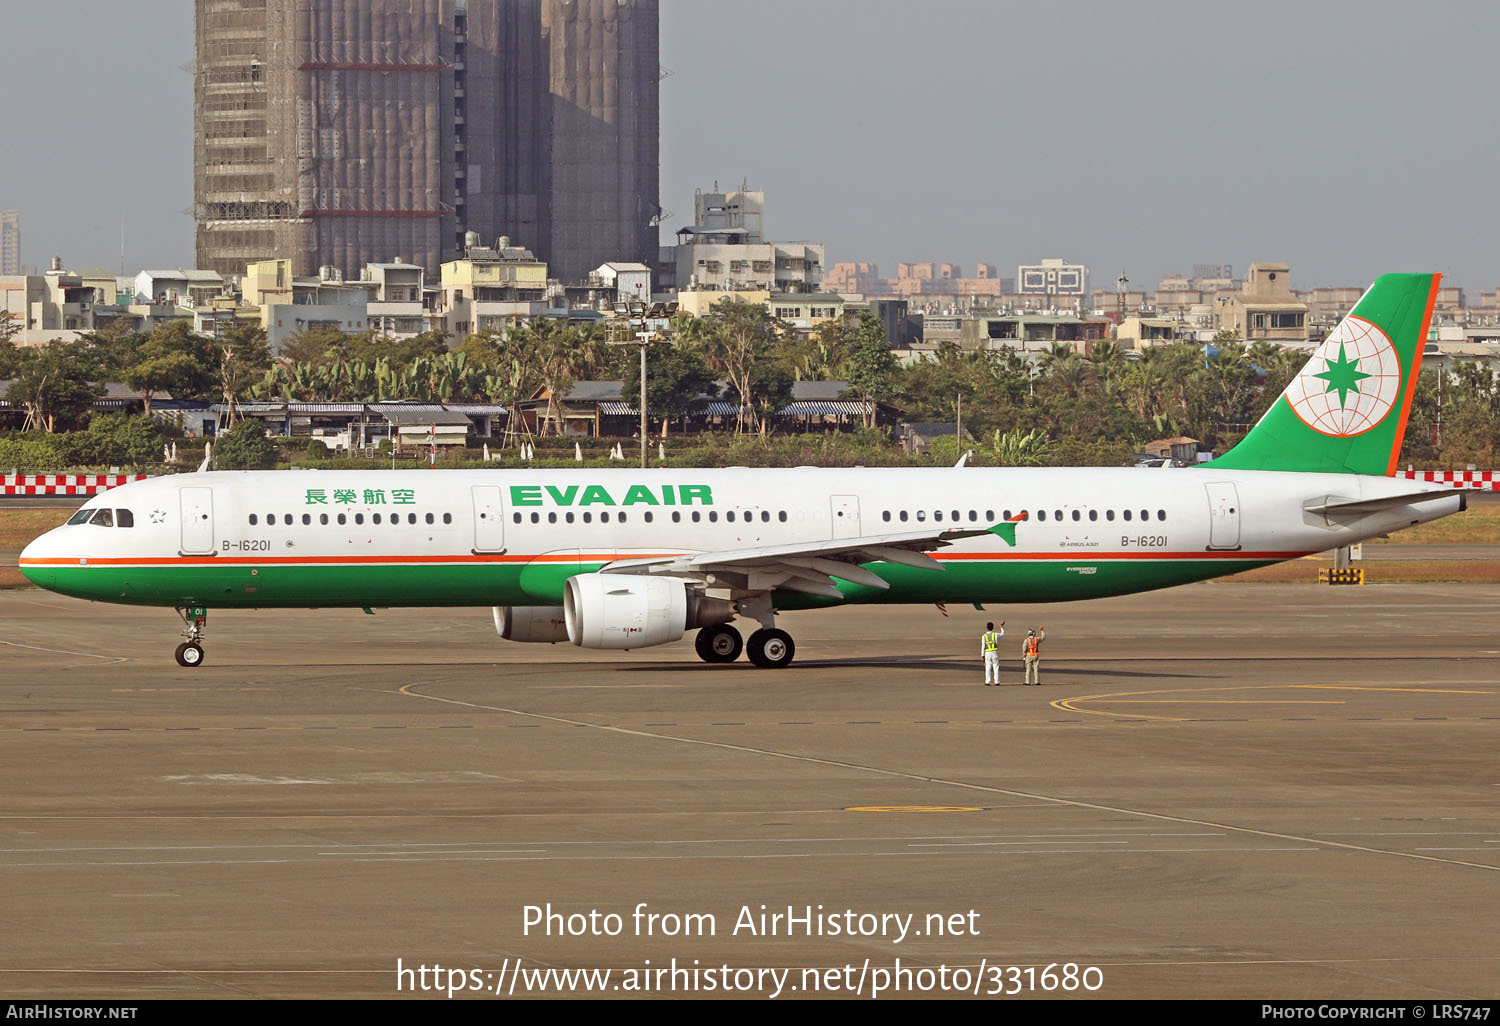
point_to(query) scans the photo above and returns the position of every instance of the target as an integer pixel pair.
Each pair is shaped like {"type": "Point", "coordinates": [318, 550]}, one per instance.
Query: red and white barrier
{"type": "Point", "coordinates": [1481, 480]}
{"type": "Point", "coordinates": [64, 484]}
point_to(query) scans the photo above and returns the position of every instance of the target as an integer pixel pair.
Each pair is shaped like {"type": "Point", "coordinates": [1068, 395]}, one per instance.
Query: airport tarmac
{"type": "Point", "coordinates": [1221, 791]}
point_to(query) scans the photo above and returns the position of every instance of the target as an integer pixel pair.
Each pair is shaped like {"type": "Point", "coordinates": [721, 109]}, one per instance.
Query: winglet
{"type": "Point", "coordinates": [1006, 531]}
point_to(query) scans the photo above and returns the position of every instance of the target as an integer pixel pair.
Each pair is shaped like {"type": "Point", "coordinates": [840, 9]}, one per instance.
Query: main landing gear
{"type": "Point", "coordinates": [768, 648]}
{"type": "Point", "coordinates": [190, 652]}
{"type": "Point", "coordinates": [720, 643]}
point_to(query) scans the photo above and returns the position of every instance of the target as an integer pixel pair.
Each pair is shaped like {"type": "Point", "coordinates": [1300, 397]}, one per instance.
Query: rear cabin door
{"type": "Point", "coordinates": [843, 511]}
{"type": "Point", "coordinates": [1223, 515]}
{"type": "Point", "coordinates": [197, 510]}
{"type": "Point", "coordinates": [489, 519]}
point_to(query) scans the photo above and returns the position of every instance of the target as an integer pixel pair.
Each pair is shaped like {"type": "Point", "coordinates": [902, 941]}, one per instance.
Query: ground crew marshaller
{"type": "Point", "coordinates": [989, 650]}
{"type": "Point", "coordinates": [1031, 651]}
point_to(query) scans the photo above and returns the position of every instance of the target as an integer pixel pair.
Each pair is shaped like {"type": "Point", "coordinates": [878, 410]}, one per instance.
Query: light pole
{"type": "Point", "coordinates": [644, 339]}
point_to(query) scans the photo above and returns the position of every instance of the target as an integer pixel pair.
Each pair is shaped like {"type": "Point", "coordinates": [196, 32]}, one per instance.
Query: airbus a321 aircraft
{"type": "Point", "coordinates": [625, 559]}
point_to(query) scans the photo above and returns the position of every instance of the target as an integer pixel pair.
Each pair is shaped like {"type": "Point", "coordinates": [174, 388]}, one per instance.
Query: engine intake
{"type": "Point", "coordinates": [624, 611]}
{"type": "Point", "coordinates": [531, 623]}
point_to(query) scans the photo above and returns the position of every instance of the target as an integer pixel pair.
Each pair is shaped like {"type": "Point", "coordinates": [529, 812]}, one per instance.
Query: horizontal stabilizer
{"type": "Point", "coordinates": [1334, 505]}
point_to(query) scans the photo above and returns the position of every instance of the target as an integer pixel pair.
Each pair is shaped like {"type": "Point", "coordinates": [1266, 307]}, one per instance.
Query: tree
{"type": "Point", "coordinates": [314, 346]}
{"type": "Point", "coordinates": [1015, 449]}
{"type": "Point", "coordinates": [871, 365]}
{"type": "Point", "coordinates": [676, 381]}
{"type": "Point", "coordinates": [8, 331]}
{"type": "Point", "coordinates": [175, 359]}
{"type": "Point", "coordinates": [558, 354]}
{"type": "Point", "coordinates": [127, 439]}
{"type": "Point", "coordinates": [55, 383]}
{"type": "Point", "coordinates": [245, 447]}
{"type": "Point", "coordinates": [738, 339]}
{"type": "Point", "coordinates": [244, 357]}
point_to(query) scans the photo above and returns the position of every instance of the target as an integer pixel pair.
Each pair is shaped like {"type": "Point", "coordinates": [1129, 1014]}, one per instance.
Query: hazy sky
{"type": "Point", "coordinates": [1347, 138]}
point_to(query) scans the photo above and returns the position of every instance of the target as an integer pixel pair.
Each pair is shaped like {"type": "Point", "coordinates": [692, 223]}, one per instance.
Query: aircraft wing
{"type": "Point", "coordinates": [808, 567]}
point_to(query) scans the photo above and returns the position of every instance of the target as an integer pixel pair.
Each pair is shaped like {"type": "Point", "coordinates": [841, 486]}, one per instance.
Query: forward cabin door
{"type": "Point", "coordinates": [843, 512]}
{"type": "Point", "coordinates": [1223, 515]}
{"type": "Point", "coordinates": [197, 511]}
{"type": "Point", "coordinates": [489, 519]}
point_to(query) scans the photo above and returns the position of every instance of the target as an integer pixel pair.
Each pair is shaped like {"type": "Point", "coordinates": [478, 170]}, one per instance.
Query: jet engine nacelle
{"type": "Point", "coordinates": [625, 611]}
{"type": "Point", "coordinates": [531, 623]}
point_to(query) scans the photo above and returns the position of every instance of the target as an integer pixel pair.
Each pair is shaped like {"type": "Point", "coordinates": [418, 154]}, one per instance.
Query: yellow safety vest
{"type": "Point", "coordinates": [991, 642]}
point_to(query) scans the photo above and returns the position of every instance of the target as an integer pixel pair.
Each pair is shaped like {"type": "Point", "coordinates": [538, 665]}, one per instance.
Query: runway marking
{"type": "Point", "coordinates": [1212, 701]}
{"type": "Point", "coordinates": [962, 784]}
{"type": "Point", "coordinates": [1115, 719]}
{"type": "Point", "coordinates": [917, 808]}
{"type": "Point", "coordinates": [1132, 698]}
{"type": "Point", "coordinates": [603, 687]}
{"type": "Point", "coordinates": [62, 651]}
{"type": "Point", "coordinates": [1415, 691]}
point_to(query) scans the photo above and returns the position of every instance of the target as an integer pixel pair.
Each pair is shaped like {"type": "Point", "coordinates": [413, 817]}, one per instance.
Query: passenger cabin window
{"type": "Point", "coordinates": [253, 519]}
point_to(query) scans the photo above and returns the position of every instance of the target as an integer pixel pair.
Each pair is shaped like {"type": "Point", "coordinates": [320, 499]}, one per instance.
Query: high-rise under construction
{"type": "Point", "coordinates": [346, 132]}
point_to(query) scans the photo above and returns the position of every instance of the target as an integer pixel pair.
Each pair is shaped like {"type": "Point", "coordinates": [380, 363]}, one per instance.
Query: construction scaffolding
{"type": "Point", "coordinates": [345, 132]}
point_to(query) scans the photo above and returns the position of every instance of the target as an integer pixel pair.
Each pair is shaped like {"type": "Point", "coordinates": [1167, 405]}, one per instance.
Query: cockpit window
{"type": "Point", "coordinates": [82, 516]}
{"type": "Point", "coordinates": [124, 518]}
{"type": "Point", "coordinates": [103, 518]}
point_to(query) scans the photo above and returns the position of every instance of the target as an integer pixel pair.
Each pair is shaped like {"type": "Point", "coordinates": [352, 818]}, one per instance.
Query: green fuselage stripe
{"type": "Point", "coordinates": [517, 584]}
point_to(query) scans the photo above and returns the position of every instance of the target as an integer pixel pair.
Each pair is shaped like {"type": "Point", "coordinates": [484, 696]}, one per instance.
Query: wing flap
{"type": "Point", "coordinates": [808, 567]}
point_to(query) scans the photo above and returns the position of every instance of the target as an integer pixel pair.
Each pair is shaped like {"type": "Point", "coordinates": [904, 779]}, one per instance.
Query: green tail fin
{"type": "Point", "coordinates": [1345, 411]}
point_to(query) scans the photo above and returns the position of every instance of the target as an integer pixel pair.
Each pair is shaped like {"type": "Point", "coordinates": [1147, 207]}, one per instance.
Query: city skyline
{"type": "Point", "coordinates": [1345, 139]}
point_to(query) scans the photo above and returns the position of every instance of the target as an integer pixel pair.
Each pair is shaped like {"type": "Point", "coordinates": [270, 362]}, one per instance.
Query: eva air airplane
{"type": "Point", "coordinates": [623, 559]}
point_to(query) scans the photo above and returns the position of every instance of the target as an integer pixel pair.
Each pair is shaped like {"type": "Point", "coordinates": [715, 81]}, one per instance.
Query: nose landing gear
{"type": "Point", "coordinates": [190, 652]}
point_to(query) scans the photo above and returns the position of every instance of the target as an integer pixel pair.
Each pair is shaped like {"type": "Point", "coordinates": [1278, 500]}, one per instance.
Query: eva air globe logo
{"type": "Point", "coordinates": [1350, 384]}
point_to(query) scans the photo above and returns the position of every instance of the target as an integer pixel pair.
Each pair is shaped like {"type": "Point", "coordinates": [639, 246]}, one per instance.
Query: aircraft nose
{"type": "Point", "coordinates": [39, 559]}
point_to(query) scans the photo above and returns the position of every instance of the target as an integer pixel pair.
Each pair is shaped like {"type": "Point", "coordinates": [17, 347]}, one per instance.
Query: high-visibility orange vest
{"type": "Point", "coordinates": [1033, 646]}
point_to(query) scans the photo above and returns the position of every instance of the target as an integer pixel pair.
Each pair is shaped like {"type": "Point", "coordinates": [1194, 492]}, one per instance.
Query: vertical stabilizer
{"type": "Point", "coordinates": [1345, 411]}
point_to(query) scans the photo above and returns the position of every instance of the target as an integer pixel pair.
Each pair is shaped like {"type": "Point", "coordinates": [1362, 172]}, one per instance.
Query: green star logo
{"type": "Point", "coordinates": [1342, 374]}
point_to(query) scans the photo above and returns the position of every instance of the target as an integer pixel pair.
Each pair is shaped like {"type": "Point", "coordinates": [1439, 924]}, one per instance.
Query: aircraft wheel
{"type": "Point", "coordinates": [719, 644]}
{"type": "Point", "coordinates": [770, 649]}
{"type": "Point", "coordinates": [189, 653]}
